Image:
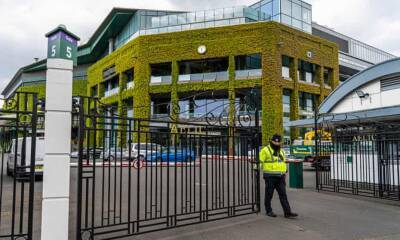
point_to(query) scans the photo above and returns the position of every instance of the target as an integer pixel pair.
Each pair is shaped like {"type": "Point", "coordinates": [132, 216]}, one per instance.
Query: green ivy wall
{"type": "Point", "coordinates": [271, 39]}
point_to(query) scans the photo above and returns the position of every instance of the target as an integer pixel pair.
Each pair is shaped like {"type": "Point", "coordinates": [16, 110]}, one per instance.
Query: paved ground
{"type": "Point", "coordinates": [322, 216]}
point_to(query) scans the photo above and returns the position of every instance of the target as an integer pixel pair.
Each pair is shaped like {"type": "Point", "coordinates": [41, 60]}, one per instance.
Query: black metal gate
{"type": "Point", "coordinates": [18, 168]}
{"type": "Point", "coordinates": [359, 158]}
{"type": "Point", "coordinates": [141, 175]}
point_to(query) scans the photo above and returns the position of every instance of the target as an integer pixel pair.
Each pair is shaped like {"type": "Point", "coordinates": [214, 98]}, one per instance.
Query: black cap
{"type": "Point", "coordinates": [276, 138]}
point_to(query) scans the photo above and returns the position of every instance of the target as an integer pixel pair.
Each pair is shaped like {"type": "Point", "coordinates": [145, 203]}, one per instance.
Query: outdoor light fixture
{"type": "Point", "coordinates": [202, 49]}
{"type": "Point", "coordinates": [361, 94]}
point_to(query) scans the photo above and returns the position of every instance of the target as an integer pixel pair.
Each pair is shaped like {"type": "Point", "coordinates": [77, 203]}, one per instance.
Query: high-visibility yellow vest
{"type": "Point", "coordinates": [274, 165]}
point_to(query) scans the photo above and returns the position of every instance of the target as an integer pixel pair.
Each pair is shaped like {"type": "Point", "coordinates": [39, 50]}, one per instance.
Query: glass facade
{"type": "Point", "coordinates": [368, 53]}
{"type": "Point", "coordinates": [295, 13]}
{"type": "Point", "coordinates": [145, 22]}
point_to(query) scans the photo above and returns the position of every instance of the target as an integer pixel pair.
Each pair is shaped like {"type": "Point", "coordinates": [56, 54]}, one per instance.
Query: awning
{"type": "Point", "coordinates": [371, 115]}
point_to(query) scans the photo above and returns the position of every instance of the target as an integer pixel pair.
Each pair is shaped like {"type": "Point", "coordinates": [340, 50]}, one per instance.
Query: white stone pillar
{"type": "Point", "coordinates": [56, 171]}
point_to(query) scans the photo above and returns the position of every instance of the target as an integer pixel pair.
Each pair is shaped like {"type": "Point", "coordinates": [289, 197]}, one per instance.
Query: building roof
{"type": "Point", "coordinates": [111, 25]}
{"type": "Point", "coordinates": [36, 66]}
{"type": "Point", "coordinates": [381, 70]}
{"type": "Point", "coordinates": [375, 73]}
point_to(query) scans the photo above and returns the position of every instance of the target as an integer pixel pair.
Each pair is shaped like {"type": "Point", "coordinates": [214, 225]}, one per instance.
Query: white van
{"type": "Point", "coordinates": [24, 169]}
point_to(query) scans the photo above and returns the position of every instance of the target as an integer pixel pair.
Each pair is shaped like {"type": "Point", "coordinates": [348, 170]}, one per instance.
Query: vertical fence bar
{"type": "Point", "coordinates": [32, 166]}
{"type": "Point", "coordinates": [81, 134]}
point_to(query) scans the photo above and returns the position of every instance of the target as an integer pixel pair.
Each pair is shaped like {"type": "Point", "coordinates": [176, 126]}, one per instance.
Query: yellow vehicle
{"type": "Point", "coordinates": [309, 137]}
{"type": "Point", "coordinates": [305, 149]}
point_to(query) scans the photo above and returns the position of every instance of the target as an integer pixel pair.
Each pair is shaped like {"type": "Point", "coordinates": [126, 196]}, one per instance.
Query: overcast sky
{"type": "Point", "coordinates": [24, 22]}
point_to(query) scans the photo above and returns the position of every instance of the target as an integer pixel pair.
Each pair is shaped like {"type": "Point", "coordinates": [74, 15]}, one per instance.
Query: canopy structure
{"type": "Point", "coordinates": [369, 96]}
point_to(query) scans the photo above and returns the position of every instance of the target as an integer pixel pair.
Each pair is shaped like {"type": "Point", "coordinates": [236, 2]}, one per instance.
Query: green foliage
{"type": "Point", "coordinates": [271, 39]}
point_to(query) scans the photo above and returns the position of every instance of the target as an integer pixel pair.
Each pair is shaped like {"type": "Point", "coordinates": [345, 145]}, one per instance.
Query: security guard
{"type": "Point", "coordinates": [272, 162]}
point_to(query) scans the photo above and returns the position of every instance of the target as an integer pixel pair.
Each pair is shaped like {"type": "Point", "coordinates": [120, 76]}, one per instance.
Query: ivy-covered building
{"type": "Point", "coordinates": [148, 62]}
{"type": "Point", "coordinates": [210, 69]}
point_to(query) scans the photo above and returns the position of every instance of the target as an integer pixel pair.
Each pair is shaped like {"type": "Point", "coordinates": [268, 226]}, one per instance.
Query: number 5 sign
{"type": "Point", "coordinates": [62, 44]}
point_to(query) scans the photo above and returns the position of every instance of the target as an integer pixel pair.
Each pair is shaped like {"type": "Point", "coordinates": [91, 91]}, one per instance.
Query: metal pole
{"type": "Point", "coordinates": [81, 136]}
{"type": "Point", "coordinates": [32, 166]}
{"type": "Point", "coordinates": [316, 149]}
{"type": "Point", "coordinates": [258, 172]}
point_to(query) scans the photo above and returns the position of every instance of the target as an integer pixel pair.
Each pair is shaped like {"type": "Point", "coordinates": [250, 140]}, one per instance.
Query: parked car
{"type": "Point", "coordinates": [141, 150]}
{"type": "Point", "coordinates": [98, 153]}
{"type": "Point", "coordinates": [113, 154]}
{"type": "Point", "coordinates": [20, 167]}
{"type": "Point", "coordinates": [172, 155]}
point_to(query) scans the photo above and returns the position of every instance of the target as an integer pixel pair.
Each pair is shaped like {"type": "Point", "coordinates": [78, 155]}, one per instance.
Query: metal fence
{"type": "Point", "coordinates": [19, 121]}
{"type": "Point", "coordinates": [140, 175]}
{"type": "Point", "coordinates": [360, 159]}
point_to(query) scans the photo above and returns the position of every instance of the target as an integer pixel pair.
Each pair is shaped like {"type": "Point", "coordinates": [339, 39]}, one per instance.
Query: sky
{"type": "Point", "coordinates": [23, 23]}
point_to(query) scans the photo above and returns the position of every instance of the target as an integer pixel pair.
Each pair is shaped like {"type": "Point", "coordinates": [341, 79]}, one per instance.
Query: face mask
{"type": "Point", "coordinates": [275, 147]}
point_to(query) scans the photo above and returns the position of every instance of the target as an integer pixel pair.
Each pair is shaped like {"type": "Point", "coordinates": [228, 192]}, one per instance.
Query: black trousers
{"type": "Point", "coordinates": [278, 183]}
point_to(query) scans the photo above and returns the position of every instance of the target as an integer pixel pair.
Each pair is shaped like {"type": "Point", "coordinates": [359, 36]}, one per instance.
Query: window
{"type": "Point", "coordinates": [296, 11]}
{"type": "Point", "coordinates": [94, 91]}
{"type": "Point", "coordinates": [245, 62]}
{"type": "Point", "coordinates": [181, 18]}
{"type": "Point", "coordinates": [155, 22]}
{"type": "Point", "coordinates": [204, 69]}
{"type": "Point", "coordinates": [286, 113]}
{"type": "Point", "coordinates": [286, 7]}
{"type": "Point", "coordinates": [192, 107]}
{"type": "Point", "coordinates": [173, 20]}
{"type": "Point", "coordinates": [306, 71]}
{"type": "Point", "coordinates": [129, 75]}
{"type": "Point", "coordinates": [286, 20]}
{"type": "Point", "coordinates": [200, 16]}
{"type": "Point", "coordinates": [160, 106]}
{"type": "Point", "coordinates": [111, 86]}
{"type": "Point", "coordinates": [163, 21]}
{"type": "Point", "coordinates": [248, 101]}
{"type": "Point", "coordinates": [306, 105]}
{"type": "Point", "coordinates": [191, 17]}
{"type": "Point", "coordinates": [306, 15]}
{"type": "Point", "coordinates": [267, 9]}
{"type": "Point", "coordinates": [286, 67]}
{"type": "Point", "coordinates": [276, 8]}
{"type": "Point", "coordinates": [248, 66]}
{"type": "Point", "coordinates": [161, 73]}
{"type": "Point", "coordinates": [328, 76]}
{"type": "Point", "coordinates": [204, 66]}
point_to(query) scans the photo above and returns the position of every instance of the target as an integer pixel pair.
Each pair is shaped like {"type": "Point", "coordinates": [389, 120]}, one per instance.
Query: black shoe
{"type": "Point", "coordinates": [291, 215]}
{"type": "Point", "coordinates": [271, 214]}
